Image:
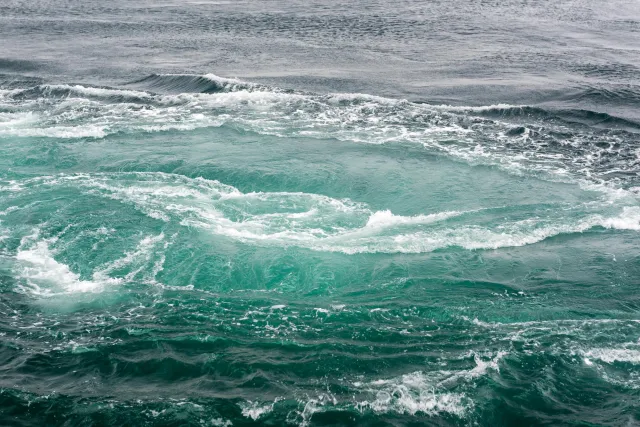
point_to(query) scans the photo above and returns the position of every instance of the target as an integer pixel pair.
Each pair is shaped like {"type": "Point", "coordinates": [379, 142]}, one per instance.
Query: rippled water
{"type": "Point", "coordinates": [382, 214]}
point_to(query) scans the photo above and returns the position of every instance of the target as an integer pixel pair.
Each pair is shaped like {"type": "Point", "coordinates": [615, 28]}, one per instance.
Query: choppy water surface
{"type": "Point", "coordinates": [407, 215]}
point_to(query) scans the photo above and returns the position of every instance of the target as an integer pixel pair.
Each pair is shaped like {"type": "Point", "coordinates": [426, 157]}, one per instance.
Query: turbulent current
{"type": "Point", "coordinates": [180, 248]}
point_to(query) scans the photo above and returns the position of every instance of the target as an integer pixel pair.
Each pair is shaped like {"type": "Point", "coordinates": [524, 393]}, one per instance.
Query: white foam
{"type": "Point", "coordinates": [17, 120]}
{"type": "Point", "coordinates": [319, 222]}
{"type": "Point", "coordinates": [96, 91]}
{"type": "Point", "coordinates": [481, 368]}
{"type": "Point", "coordinates": [255, 410]}
{"type": "Point", "coordinates": [480, 108]}
{"type": "Point", "coordinates": [611, 355]}
{"type": "Point", "coordinates": [269, 110]}
{"type": "Point", "coordinates": [384, 219]}
{"type": "Point", "coordinates": [313, 406]}
{"type": "Point", "coordinates": [336, 98]}
{"type": "Point", "coordinates": [98, 112]}
{"type": "Point", "coordinates": [46, 276]}
{"type": "Point", "coordinates": [629, 219]}
{"type": "Point", "coordinates": [83, 131]}
{"type": "Point", "coordinates": [227, 80]}
{"type": "Point", "coordinates": [411, 394]}
{"type": "Point", "coordinates": [210, 76]}
{"type": "Point", "coordinates": [138, 261]}
{"type": "Point", "coordinates": [403, 401]}
{"type": "Point", "coordinates": [427, 393]}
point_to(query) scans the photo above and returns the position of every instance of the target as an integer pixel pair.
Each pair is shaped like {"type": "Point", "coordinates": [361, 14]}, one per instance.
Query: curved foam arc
{"type": "Point", "coordinates": [367, 231]}
{"type": "Point", "coordinates": [140, 258]}
{"type": "Point", "coordinates": [629, 219]}
{"type": "Point", "coordinates": [200, 202]}
{"type": "Point", "coordinates": [46, 276]}
{"type": "Point", "coordinates": [318, 222]}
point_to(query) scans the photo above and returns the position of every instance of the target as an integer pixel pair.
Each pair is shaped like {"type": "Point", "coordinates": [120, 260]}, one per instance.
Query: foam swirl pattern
{"type": "Point", "coordinates": [197, 250]}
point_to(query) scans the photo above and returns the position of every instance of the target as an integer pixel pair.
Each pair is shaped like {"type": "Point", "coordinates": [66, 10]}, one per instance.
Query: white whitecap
{"type": "Point", "coordinates": [612, 355]}
{"type": "Point", "coordinates": [47, 276]}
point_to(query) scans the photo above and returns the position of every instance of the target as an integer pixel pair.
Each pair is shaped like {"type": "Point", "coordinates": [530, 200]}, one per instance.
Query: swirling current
{"type": "Point", "coordinates": [385, 220]}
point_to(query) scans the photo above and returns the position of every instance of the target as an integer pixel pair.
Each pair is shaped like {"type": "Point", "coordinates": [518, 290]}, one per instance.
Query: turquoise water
{"type": "Point", "coordinates": [195, 250]}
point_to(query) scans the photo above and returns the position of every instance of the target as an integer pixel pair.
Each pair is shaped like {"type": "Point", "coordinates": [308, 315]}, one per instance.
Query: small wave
{"type": "Point", "coordinates": [194, 83]}
{"type": "Point", "coordinates": [615, 94]}
{"type": "Point", "coordinates": [597, 119]}
{"type": "Point", "coordinates": [19, 65]}
{"type": "Point", "coordinates": [62, 91]}
{"type": "Point", "coordinates": [10, 81]}
{"type": "Point", "coordinates": [566, 115]}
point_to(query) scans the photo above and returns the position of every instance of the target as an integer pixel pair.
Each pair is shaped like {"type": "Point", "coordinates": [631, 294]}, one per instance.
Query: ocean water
{"type": "Point", "coordinates": [317, 213]}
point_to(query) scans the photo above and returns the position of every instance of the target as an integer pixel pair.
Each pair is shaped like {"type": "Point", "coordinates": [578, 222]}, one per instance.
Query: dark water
{"type": "Point", "coordinates": [312, 213]}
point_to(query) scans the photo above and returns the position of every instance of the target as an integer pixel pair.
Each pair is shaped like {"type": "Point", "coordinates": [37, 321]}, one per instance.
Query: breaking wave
{"type": "Point", "coordinates": [556, 143]}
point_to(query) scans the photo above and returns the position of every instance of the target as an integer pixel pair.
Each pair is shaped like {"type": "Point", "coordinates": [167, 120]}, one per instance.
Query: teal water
{"type": "Point", "coordinates": [193, 250]}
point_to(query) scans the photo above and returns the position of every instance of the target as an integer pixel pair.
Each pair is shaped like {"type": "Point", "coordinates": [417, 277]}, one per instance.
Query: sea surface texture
{"type": "Point", "coordinates": [319, 213]}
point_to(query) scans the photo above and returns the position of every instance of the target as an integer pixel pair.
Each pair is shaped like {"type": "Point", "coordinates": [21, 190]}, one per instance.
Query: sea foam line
{"type": "Point", "coordinates": [320, 222]}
